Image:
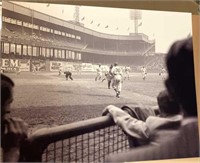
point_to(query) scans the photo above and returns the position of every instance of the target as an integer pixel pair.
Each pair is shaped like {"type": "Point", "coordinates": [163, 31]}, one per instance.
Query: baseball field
{"type": "Point", "coordinates": [47, 99]}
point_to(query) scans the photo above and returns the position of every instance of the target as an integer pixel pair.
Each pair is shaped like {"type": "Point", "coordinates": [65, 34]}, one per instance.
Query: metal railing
{"type": "Point", "coordinates": [84, 141]}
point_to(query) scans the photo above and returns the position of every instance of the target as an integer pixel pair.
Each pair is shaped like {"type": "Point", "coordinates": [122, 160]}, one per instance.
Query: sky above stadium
{"type": "Point", "coordinates": [164, 27]}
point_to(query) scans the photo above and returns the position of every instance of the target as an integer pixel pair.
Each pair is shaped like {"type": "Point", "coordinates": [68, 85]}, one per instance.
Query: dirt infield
{"type": "Point", "coordinates": [46, 99]}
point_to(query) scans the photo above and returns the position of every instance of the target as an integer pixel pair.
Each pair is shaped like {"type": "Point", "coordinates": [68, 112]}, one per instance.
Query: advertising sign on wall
{"type": "Point", "coordinates": [77, 66]}
{"type": "Point", "coordinates": [14, 65]}
{"type": "Point", "coordinates": [10, 65]}
{"type": "Point", "coordinates": [55, 65]}
{"type": "Point", "coordinates": [40, 65]}
{"type": "Point", "coordinates": [68, 66]}
{"type": "Point", "coordinates": [87, 67]}
{"type": "Point", "coordinates": [64, 66]}
{"type": "Point", "coordinates": [24, 65]}
{"type": "Point", "coordinates": [104, 68]}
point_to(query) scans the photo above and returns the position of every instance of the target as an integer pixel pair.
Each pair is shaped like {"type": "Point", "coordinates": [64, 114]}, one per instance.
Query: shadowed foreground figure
{"type": "Point", "coordinates": [181, 86]}
{"type": "Point", "coordinates": [141, 124]}
{"type": "Point", "coordinates": [13, 130]}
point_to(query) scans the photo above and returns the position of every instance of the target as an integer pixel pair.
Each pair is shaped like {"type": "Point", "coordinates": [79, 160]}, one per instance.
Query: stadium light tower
{"type": "Point", "coordinates": [136, 15]}
{"type": "Point", "coordinates": [77, 13]}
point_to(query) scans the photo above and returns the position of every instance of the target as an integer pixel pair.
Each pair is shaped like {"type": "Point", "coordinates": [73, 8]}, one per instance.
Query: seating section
{"type": "Point", "coordinates": [25, 34]}
{"type": "Point", "coordinates": [47, 39]}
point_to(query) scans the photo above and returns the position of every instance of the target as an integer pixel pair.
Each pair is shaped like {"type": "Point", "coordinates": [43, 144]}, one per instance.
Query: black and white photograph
{"type": "Point", "coordinates": [96, 84]}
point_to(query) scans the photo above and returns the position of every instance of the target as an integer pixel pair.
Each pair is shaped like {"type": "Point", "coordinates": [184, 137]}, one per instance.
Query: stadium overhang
{"type": "Point", "coordinates": [18, 12]}
{"type": "Point", "coordinates": [191, 6]}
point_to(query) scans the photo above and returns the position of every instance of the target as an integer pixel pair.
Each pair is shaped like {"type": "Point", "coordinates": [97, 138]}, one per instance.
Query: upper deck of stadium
{"type": "Point", "coordinates": [24, 25]}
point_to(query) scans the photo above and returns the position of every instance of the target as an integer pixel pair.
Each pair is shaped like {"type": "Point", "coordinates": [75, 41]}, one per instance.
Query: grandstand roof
{"type": "Point", "coordinates": [23, 13]}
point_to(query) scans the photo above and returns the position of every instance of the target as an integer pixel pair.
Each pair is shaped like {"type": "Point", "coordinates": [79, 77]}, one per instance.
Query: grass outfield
{"type": "Point", "coordinates": [46, 99]}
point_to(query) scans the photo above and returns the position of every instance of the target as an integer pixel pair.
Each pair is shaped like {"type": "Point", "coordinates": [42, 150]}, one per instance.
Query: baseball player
{"type": "Point", "coordinates": [68, 74]}
{"type": "Point", "coordinates": [34, 69]}
{"type": "Point", "coordinates": [99, 73]}
{"type": "Point", "coordinates": [108, 76]}
{"type": "Point", "coordinates": [144, 73]}
{"type": "Point", "coordinates": [117, 79]}
{"type": "Point", "coordinates": [60, 71]}
{"type": "Point", "coordinates": [162, 73]}
{"type": "Point", "coordinates": [127, 71]}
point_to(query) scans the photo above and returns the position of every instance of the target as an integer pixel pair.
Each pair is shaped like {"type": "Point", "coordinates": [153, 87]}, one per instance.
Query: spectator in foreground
{"type": "Point", "coordinates": [141, 124]}
{"type": "Point", "coordinates": [13, 130]}
{"type": "Point", "coordinates": [181, 86]}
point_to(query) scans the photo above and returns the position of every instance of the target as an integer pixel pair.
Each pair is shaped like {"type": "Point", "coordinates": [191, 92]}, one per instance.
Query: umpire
{"type": "Point", "coordinates": [68, 75]}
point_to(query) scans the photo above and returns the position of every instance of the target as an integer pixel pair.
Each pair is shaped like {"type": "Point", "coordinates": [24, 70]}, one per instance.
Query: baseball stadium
{"type": "Point", "coordinates": [64, 117]}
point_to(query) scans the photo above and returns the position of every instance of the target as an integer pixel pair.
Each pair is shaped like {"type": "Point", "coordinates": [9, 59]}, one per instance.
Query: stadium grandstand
{"type": "Point", "coordinates": [31, 38]}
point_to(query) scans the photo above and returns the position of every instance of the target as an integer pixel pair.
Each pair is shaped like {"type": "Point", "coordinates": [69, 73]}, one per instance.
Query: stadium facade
{"type": "Point", "coordinates": [31, 38]}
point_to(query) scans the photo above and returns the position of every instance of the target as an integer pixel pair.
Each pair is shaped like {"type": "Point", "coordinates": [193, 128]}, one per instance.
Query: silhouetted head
{"type": "Point", "coordinates": [6, 95]}
{"type": "Point", "coordinates": [181, 81]}
{"type": "Point", "coordinates": [167, 105]}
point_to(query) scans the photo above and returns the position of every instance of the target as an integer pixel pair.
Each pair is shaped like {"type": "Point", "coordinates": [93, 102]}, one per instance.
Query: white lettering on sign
{"type": "Point", "coordinates": [10, 63]}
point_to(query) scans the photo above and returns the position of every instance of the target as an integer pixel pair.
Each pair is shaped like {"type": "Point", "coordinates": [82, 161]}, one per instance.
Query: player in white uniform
{"type": "Point", "coordinates": [34, 69]}
{"type": "Point", "coordinates": [60, 71]}
{"type": "Point", "coordinates": [144, 73]}
{"type": "Point", "coordinates": [117, 79]}
{"type": "Point", "coordinates": [127, 71]}
{"type": "Point", "coordinates": [162, 73]}
{"type": "Point", "coordinates": [99, 73]}
{"type": "Point", "coordinates": [79, 68]}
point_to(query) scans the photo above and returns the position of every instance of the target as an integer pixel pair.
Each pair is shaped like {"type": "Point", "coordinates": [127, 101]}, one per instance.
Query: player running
{"type": "Point", "coordinates": [127, 72]}
{"type": "Point", "coordinates": [162, 73]}
{"type": "Point", "coordinates": [144, 72]}
{"type": "Point", "coordinates": [34, 69]}
{"type": "Point", "coordinates": [99, 73]}
{"type": "Point", "coordinates": [117, 79]}
{"type": "Point", "coordinates": [108, 76]}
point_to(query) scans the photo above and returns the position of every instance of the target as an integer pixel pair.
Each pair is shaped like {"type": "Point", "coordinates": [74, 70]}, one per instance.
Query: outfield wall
{"type": "Point", "coordinates": [25, 65]}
